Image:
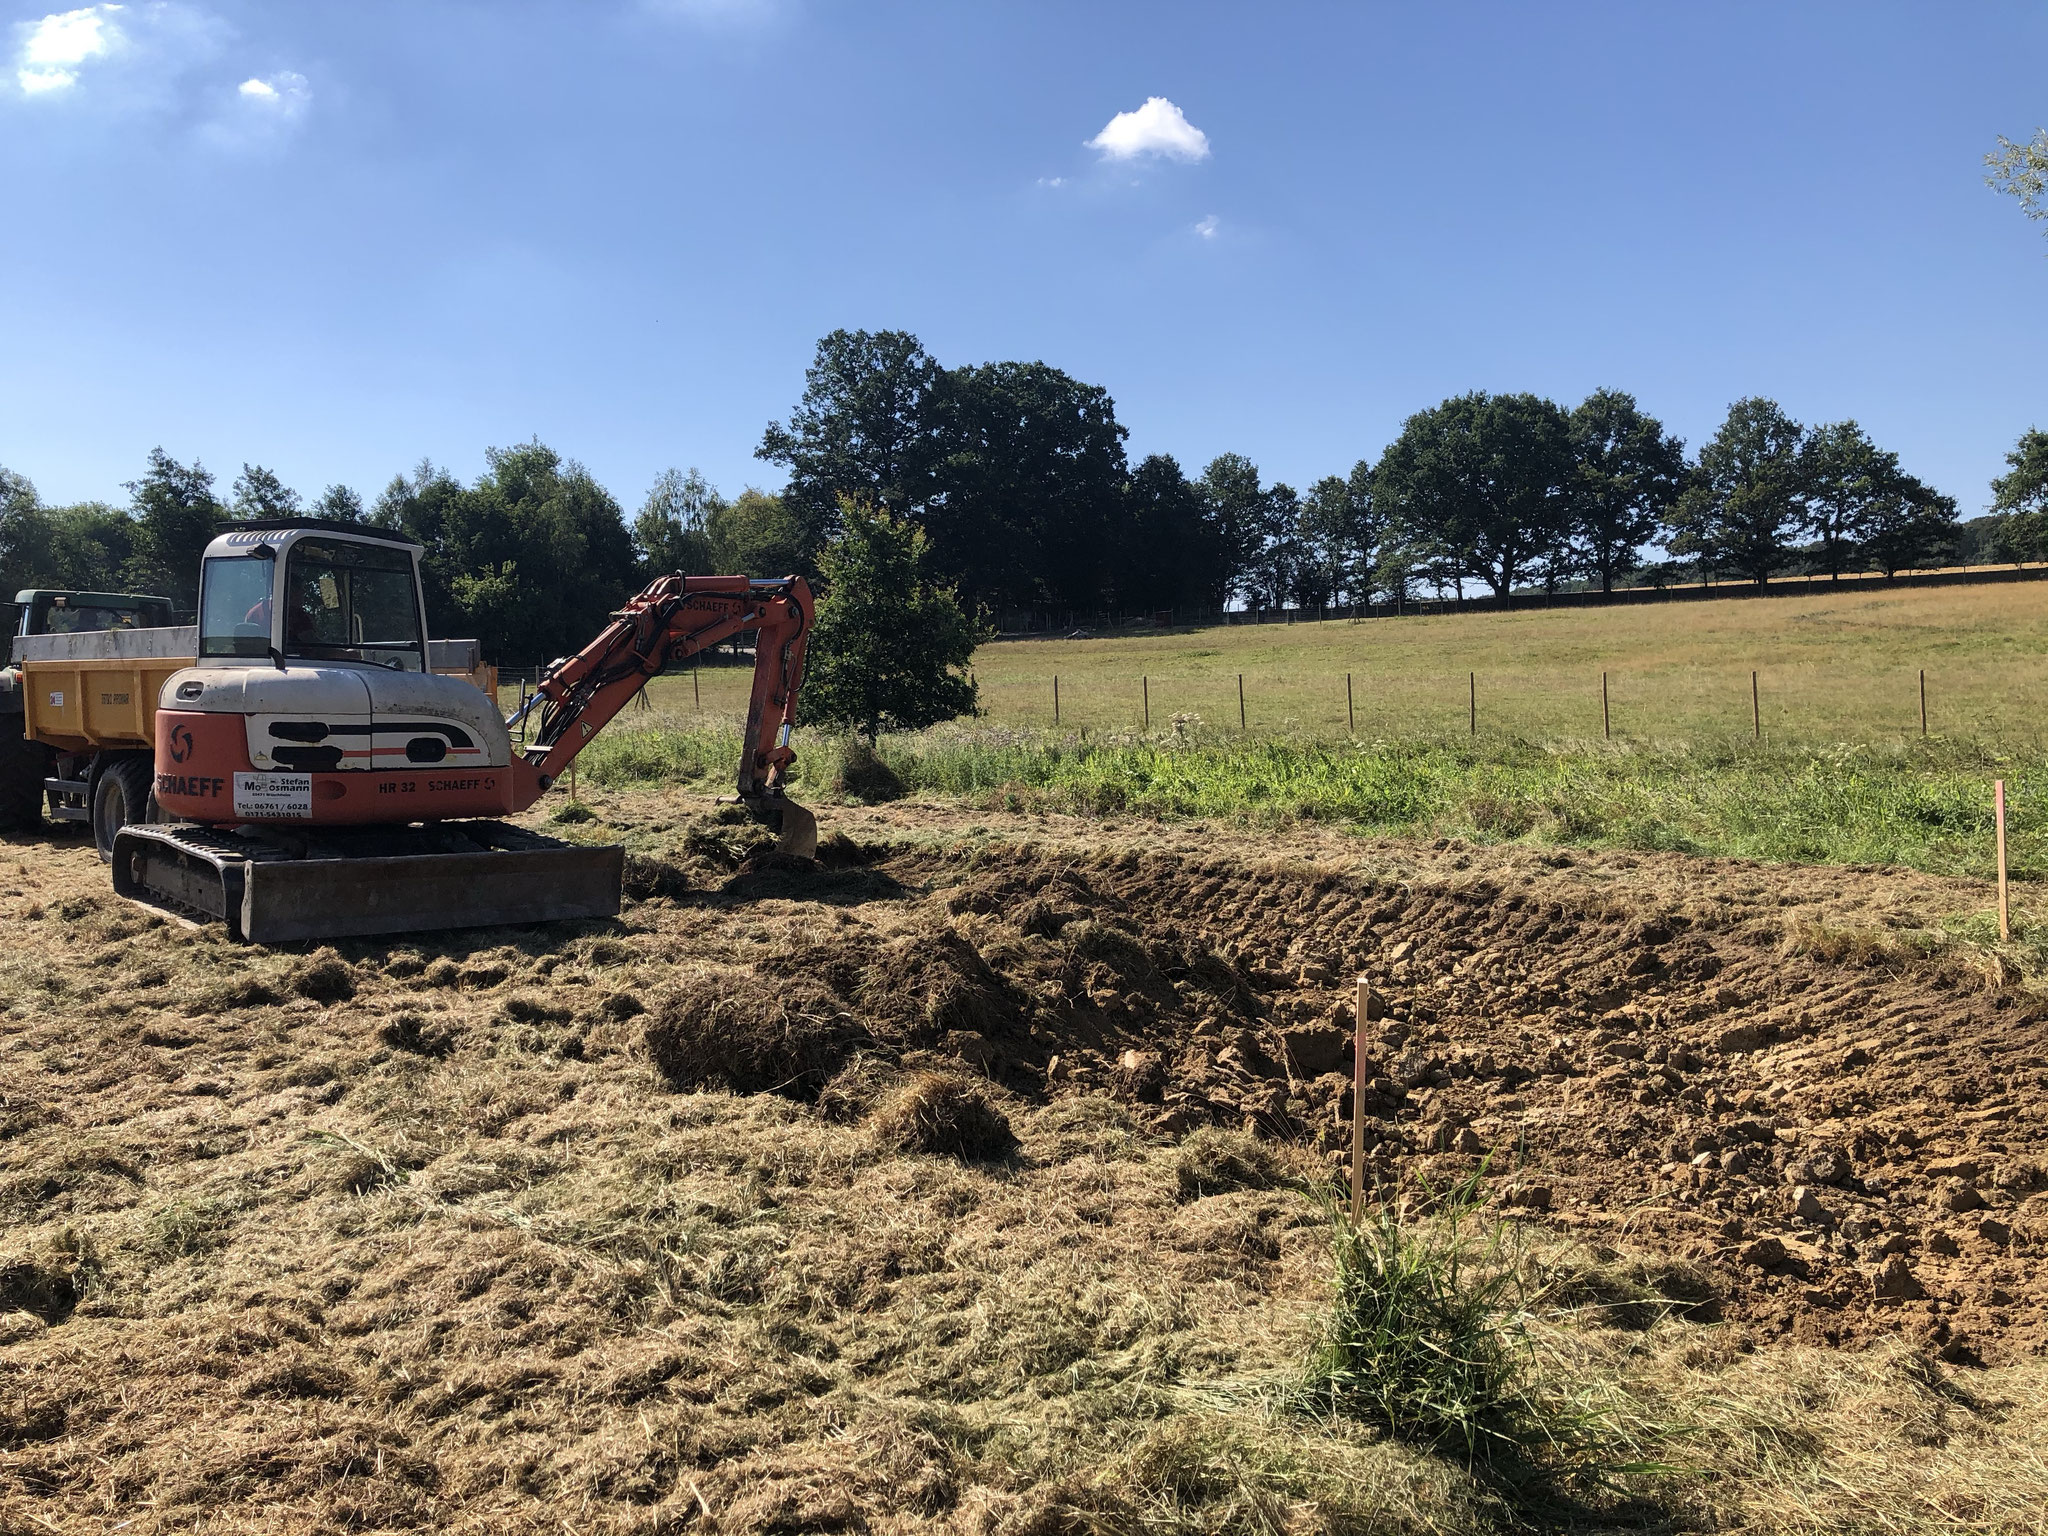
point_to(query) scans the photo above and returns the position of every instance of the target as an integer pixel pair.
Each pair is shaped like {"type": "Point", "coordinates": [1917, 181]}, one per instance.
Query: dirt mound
{"type": "Point", "coordinates": [735, 1030]}
{"type": "Point", "coordinates": [945, 1113]}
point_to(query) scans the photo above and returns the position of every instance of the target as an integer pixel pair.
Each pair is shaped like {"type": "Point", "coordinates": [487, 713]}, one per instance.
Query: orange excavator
{"type": "Point", "coordinates": [312, 776]}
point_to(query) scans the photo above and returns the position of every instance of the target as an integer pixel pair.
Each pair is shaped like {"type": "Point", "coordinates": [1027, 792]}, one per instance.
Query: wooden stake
{"type": "Point", "coordinates": [1756, 712]}
{"type": "Point", "coordinates": [1240, 701]}
{"type": "Point", "coordinates": [1923, 701]}
{"type": "Point", "coordinates": [2004, 915]}
{"type": "Point", "coordinates": [1358, 1099]}
{"type": "Point", "coordinates": [1055, 698]}
{"type": "Point", "coordinates": [572, 780]}
{"type": "Point", "coordinates": [1350, 712]}
{"type": "Point", "coordinates": [696, 691]}
{"type": "Point", "coordinates": [1606, 723]}
{"type": "Point", "coordinates": [1472, 683]}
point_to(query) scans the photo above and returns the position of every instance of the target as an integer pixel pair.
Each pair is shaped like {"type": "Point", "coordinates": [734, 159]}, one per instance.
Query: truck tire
{"type": "Point", "coordinates": [24, 764]}
{"type": "Point", "coordinates": [123, 795]}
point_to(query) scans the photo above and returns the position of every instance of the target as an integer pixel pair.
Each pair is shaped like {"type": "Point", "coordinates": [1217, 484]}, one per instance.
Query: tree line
{"type": "Point", "coordinates": [1016, 477]}
{"type": "Point", "coordinates": [1017, 473]}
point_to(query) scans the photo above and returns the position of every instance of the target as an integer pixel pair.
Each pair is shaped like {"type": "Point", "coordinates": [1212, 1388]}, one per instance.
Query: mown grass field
{"type": "Point", "coordinates": [1841, 774]}
{"type": "Point", "coordinates": [1833, 667]}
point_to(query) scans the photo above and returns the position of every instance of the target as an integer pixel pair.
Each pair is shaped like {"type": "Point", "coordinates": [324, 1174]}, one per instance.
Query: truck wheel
{"type": "Point", "coordinates": [122, 795]}
{"type": "Point", "coordinates": [24, 764]}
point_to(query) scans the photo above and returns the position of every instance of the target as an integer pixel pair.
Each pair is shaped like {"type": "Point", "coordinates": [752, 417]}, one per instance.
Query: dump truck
{"type": "Point", "coordinates": [294, 766]}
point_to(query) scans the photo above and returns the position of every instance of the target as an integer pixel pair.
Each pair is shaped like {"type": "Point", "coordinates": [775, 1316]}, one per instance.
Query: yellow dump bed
{"type": "Point", "coordinates": [97, 691]}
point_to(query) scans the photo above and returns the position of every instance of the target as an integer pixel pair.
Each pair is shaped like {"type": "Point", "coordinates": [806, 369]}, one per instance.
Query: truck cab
{"type": "Point", "coordinates": [24, 761]}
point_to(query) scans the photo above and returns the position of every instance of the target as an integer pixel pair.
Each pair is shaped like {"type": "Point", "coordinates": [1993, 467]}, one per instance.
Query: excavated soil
{"type": "Point", "coordinates": [388, 1212]}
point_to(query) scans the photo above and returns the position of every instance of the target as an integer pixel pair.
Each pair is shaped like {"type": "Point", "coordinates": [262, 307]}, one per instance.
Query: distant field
{"type": "Point", "coordinates": [1832, 667]}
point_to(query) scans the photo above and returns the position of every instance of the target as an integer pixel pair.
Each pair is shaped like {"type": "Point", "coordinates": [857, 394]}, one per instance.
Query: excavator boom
{"type": "Point", "coordinates": [674, 619]}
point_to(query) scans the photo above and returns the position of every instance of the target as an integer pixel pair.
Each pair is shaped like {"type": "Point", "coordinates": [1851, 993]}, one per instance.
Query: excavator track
{"type": "Point", "coordinates": [273, 886]}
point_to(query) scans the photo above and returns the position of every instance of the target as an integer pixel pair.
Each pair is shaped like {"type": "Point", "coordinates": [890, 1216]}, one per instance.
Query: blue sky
{"type": "Point", "coordinates": [333, 236]}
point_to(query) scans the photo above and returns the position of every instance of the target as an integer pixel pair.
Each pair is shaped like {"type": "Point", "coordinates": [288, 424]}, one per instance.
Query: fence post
{"type": "Point", "coordinates": [1923, 701]}
{"type": "Point", "coordinates": [1756, 712]}
{"type": "Point", "coordinates": [1146, 683]}
{"type": "Point", "coordinates": [2004, 917]}
{"type": "Point", "coordinates": [1606, 721]}
{"type": "Point", "coordinates": [696, 692]}
{"type": "Point", "coordinates": [1240, 701]}
{"type": "Point", "coordinates": [1350, 713]}
{"type": "Point", "coordinates": [1472, 682]}
{"type": "Point", "coordinates": [1363, 1014]}
{"type": "Point", "coordinates": [1055, 700]}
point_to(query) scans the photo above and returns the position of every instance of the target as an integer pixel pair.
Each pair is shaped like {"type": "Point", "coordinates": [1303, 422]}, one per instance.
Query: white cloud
{"type": "Point", "coordinates": [1156, 128]}
{"type": "Point", "coordinates": [53, 48]}
{"type": "Point", "coordinates": [1207, 228]}
{"type": "Point", "coordinates": [284, 93]}
{"type": "Point", "coordinates": [1052, 181]}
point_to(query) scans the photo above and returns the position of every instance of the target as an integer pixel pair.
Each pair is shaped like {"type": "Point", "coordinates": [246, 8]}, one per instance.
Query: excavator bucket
{"type": "Point", "coordinates": [797, 836]}
{"type": "Point", "coordinates": [357, 882]}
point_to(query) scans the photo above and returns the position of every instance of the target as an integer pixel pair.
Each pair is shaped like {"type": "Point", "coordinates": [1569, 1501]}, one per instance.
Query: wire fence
{"type": "Point", "coordinates": [1784, 704]}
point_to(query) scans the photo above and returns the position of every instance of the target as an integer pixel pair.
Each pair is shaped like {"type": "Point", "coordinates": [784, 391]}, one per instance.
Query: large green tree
{"type": "Point", "coordinates": [2019, 498]}
{"type": "Point", "coordinates": [1743, 503]}
{"type": "Point", "coordinates": [1029, 486]}
{"type": "Point", "coordinates": [1164, 553]}
{"type": "Point", "coordinates": [259, 493]}
{"type": "Point", "coordinates": [531, 559]}
{"type": "Point", "coordinates": [1626, 473]}
{"type": "Point", "coordinates": [176, 516]}
{"type": "Point", "coordinates": [1484, 482]}
{"type": "Point", "coordinates": [1240, 512]}
{"type": "Point", "coordinates": [1907, 525]}
{"type": "Point", "coordinates": [670, 532]}
{"type": "Point", "coordinates": [891, 645]}
{"type": "Point", "coordinates": [865, 428]}
{"type": "Point", "coordinates": [1842, 476]}
{"type": "Point", "coordinates": [756, 534]}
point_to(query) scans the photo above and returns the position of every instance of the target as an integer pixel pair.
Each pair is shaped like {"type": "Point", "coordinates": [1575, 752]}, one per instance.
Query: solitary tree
{"type": "Point", "coordinates": [1744, 501]}
{"type": "Point", "coordinates": [890, 647]}
{"type": "Point", "coordinates": [1627, 471]}
{"type": "Point", "coordinates": [1484, 482]}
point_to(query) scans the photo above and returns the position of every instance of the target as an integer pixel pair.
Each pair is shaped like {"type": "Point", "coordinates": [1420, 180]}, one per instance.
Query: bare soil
{"type": "Point", "coordinates": [627, 1226]}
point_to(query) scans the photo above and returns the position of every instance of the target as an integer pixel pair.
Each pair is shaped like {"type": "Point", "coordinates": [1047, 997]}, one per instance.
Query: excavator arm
{"type": "Point", "coordinates": [676, 617]}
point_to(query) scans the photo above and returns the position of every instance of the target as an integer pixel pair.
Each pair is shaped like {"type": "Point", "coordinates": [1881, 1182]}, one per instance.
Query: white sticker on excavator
{"type": "Point", "coordinates": [274, 796]}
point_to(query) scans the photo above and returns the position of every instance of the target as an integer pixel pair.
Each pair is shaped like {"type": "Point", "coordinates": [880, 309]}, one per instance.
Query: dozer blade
{"type": "Point", "coordinates": [482, 876]}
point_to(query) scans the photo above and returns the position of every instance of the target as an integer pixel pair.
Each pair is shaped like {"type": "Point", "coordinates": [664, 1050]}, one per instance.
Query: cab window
{"type": "Point", "coordinates": [234, 606]}
{"type": "Point", "coordinates": [352, 602]}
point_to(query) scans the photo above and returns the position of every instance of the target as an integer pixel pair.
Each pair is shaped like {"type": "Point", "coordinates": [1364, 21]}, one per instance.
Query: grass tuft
{"type": "Point", "coordinates": [1430, 1338]}
{"type": "Point", "coordinates": [947, 1114]}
